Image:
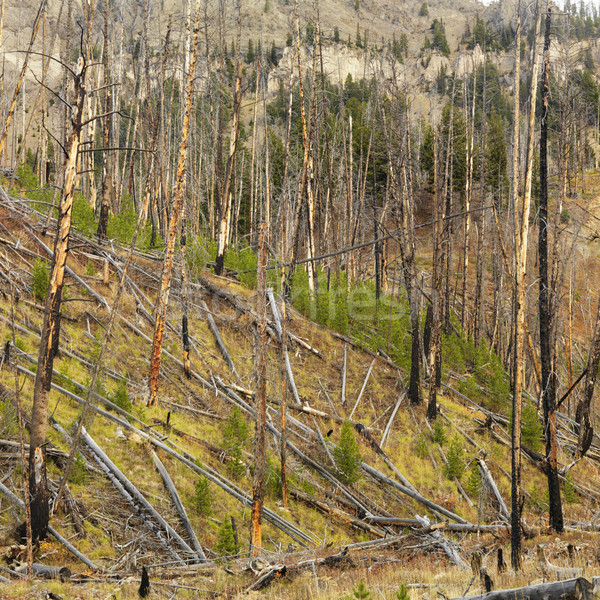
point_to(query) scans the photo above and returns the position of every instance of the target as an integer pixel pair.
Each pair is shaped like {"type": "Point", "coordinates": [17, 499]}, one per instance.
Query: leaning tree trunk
{"type": "Point", "coordinates": [163, 298]}
{"type": "Point", "coordinates": [38, 489]}
{"type": "Point", "coordinates": [586, 432]}
{"type": "Point", "coordinates": [545, 316]}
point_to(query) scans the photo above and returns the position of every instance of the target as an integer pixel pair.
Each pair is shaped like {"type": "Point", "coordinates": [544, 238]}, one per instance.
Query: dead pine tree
{"type": "Point", "coordinates": [522, 205]}
{"type": "Point", "coordinates": [163, 297]}
{"type": "Point", "coordinates": [13, 104]}
{"type": "Point", "coordinates": [260, 395]}
{"type": "Point", "coordinates": [227, 188]}
{"type": "Point", "coordinates": [38, 488]}
{"type": "Point", "coordinates": [549, 379]}
{"type": "Point", "coordinates": [107, 173]}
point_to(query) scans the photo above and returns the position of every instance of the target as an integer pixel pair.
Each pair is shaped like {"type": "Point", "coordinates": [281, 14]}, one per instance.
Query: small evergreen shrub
{"type": "Point", "coordinates": [9, 427]}
{"type": "Point", "coordinates": [273, 479]}
{"type": "Point", "coordinates": [474, 481]}
{"type": "Point", "coordinates": [83, 218]}
{"type": "Point", "coordinates": [243, 261]}
{"type": "Point", "coordinates": [423, 446]}
{"type": "Point", "coordinates": [202, 500]}
{"type": "Point", "coordinates": [90, 268]}
{"type": "Point", "coordinates": [438, 432]}
{"type": "Point", "coordinates": [235, 434]}
{"type": "Point", "coordinates": [402, 593]}
{"type": "Point", "coordinates": [531, 428]}
{"type": "Point", "coordinates": [78, 474]}
{"type": "Point", "coordinates": [41, 279]}
{"type": "Point", "coordinates": [323, 304]}
{"type": "Point", "coordinates": [226, 545]}
{"type": "Point", "coordinates": [569, 489]}
{"type": "Point", "coordinates": [120, 397]}
{"type": "Point", "coordinates": [300, 297]}
{"type": "Point", "coordinates": [456, 459]}
{"type": "Point", "coordinates": [347, 456]}
{"type": "Point", "coordinates": [361, 591]}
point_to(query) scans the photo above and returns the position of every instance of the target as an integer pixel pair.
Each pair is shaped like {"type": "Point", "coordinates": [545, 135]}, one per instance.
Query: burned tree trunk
{"type": "Point", "coordinates": [163, 297]}
{"type": "Point", "coordinates": [586, 432]}
{"type": "Point", "coordinates": [261, 394]}
{"type": "Point", "coordinates": [545, 316]}
{"type": "Point", "coordinates": [38, 489]}
{"type": "Point", "coordinates": [225, 207]}
{"type": "Point", "coordinates": [107, 180]}
{"type": "Point", "coordinates": [522, 204]}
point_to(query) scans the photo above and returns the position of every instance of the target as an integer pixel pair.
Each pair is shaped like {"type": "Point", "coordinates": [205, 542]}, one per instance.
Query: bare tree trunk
{"type": "Point", "coordinates": [224, 232]}
{"type": "Point", "coordinates": [13, 104]}
{"type": "Point", "coordinates": [38, 488]}
{"type": "Point", "coordinates": [260, 395]}
{"type": "Point", "coordinates": [586, 432]}
{"type": "Point", "coordinates": [521, 224]}
{"type": "Point", "coordinates": [163, 298]}
{"type": "Point", "coordinates": [521, 217]}
{"type": "Point", "coordinates": [435, 330]}
{"type": "Point", "coordinates": [545, 314]}
{"type": "Point", "coordinates": [107, 179]}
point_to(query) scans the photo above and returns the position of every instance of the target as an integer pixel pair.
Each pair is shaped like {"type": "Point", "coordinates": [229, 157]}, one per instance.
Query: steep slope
{"type": "Point", "coordinates": [193, 416]}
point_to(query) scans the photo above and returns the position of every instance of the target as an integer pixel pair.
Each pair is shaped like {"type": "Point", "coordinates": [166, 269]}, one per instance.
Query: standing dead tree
{"type": "Point", "coordinates": [261, 394]}
{"type": "Point", "coordinates": [13, 104]}
{"type": "Point", "coordinates": [163, 297]}
{"type": "Point", "coordinates": [227, 189]}
{"type": "Point", "coordinates": [522, 205]}
{"type": "Point", "coordinates": [546, 316]}
{"type": "Point", "coordinates": [38, 488]}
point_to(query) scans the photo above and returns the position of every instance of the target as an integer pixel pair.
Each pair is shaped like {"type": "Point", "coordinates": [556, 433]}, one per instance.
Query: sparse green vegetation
{"type": "Point", "coordinates": [226, 545]}
{"type": "Point", "coordinates": [41, 279]}
{"type": "Point", "coordinates": [347, 455]}
{"type": "Point", "coordinates": [456, 459]}
{"type": "Point", "coordinates": [234, 435]}
{"type": "Point", "coordinates": [202, 499]}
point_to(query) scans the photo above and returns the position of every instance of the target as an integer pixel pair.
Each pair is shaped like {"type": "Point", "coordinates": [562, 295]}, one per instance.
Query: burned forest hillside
{"type": "Point", "coordinates": [299, 299]}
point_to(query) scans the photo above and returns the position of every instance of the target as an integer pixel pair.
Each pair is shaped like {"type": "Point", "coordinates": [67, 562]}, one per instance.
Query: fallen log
{"type": "Point", "coordinates": [135, 493]}
{"type": "Point", "coordinates": [179, 506]}
{"type": "Point", "coordinates": [220, 343]}
{"type": "Point", "coordinates": [487, 477]}
{"type": "Point", "coordinates": [571, 589]}
{"type": "Point", "coordinates": [273, 573]}
{"type": "Point", "coordinates": [51, 530]}
{"type": "Point", "coordinates": [47, 572]}
{"type": "Point", "coordinates": [336, 513]}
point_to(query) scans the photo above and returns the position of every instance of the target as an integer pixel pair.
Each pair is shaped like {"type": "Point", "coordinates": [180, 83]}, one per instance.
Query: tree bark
{"type": "Point", "coordinates": [571, 589]}
{"type": "Point", "coordinates": [261, 394]}
{"type": "Point", "coordinates": [38, 489]}
{"type": "Point", "coordinates": [163, 298]}
{"type": "Point", "coordinates": [586, 432]}
{"type": "Point", "coordinates": [545, 315]}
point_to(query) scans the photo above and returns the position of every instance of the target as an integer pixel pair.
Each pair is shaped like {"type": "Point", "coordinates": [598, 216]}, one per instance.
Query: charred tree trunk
{"type": "Point", "coordinates": [38, 489]}
{"type": "Point", "coordinates": [163, 297]}
{"type": "Point", "coordinates": [521, 225]}
{"type": "Point", "coordinates": [545, 316]}
{"type": "Point", "coordinates": [107, 180]}
{"type": "Point", "coordinates": [261, 394]}
{"type": "Point", "coordinates": [225, 211]}
{"type": "Point", "coordinates": [13, 104]}
{"type": "Point", "coordinates": [586, 431]}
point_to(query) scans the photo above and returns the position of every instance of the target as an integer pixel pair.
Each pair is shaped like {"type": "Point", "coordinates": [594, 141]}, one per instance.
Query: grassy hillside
{"type": "Point", "coordinates": [209, 423]}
